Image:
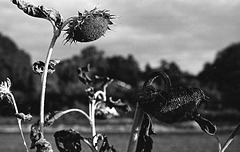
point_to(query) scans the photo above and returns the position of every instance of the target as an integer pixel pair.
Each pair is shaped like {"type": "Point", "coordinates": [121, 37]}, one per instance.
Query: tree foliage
{"type": "Point", "coordinates": [16, 64]}
{"type": "Point", "coordinates": [220, 79]}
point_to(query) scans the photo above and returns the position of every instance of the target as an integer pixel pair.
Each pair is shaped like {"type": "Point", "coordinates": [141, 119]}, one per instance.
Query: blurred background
{"type": "Point", "coordinates": [196, 43]}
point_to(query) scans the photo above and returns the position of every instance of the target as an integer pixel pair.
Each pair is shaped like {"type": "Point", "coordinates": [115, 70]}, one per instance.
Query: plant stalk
{"type": "Point", "coordinates": [136, 127]}
{"type": "Point", "coordinates": [44, 78]}
{"type": "Point", "coordinates": [80, 111]}
{"type": "Point", "coordinates": [56, 34]}
{"type": "Point", "coordinates": [93, 125]}
{"type": "Point", "coordinates": [19, 122]}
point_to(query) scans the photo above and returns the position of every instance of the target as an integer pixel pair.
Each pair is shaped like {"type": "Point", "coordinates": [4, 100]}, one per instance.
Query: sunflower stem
{"type": "Point", "coordinates": [136, 127]}
{"type": "Point", "coordinates": [56, 34]}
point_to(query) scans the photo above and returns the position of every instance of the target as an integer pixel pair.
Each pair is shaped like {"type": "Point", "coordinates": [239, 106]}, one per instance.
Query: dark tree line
{"type": "Point", "coordinates": [220, 79]}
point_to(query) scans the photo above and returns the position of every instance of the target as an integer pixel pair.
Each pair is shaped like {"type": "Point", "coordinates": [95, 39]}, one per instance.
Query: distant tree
{"type": "Point", "coordinates": [16, 65]}
{"type": "Point", "coordinates": [124, 69]}
{"type": "Point", "coordinates": [224, 75]}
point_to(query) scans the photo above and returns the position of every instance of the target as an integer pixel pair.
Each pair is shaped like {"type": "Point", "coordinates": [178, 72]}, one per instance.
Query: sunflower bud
{"type": "Point", "coordinates": [89, 26]}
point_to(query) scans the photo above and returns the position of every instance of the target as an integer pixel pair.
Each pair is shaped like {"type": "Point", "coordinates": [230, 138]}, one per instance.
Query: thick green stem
{"type": "Point", "coordinates": [136, 127]}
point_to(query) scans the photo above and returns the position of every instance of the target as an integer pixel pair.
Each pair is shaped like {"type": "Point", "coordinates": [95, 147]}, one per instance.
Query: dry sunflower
{"type": "Point", "coordinates": [89, 26]}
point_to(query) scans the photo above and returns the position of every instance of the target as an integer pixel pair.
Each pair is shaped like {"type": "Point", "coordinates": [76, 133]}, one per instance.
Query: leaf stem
{"type": "Point", "coordinates": [80, 111]}
{"type": "Point", "coordinates": [136, 127]}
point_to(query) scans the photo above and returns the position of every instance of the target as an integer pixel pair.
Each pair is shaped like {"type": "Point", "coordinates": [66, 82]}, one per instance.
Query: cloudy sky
{"type": "Point", "coordinates": [189, 32]}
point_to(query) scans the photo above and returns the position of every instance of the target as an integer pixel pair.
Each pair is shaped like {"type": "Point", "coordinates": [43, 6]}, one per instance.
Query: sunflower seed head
{"type": "Point", "coordinates": [89, 26]}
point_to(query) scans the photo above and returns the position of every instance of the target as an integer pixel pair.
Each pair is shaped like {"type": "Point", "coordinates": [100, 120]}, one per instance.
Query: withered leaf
{"type": "Point", "coordinates": [38, 66]}
{"type": "Point", "coordinates": [118, 104]}
{"type": "Point", "coordinates": [43, 146]}
{"type": "Point", "coordinates": [35, 134]}
{"type": "Point", "coordinates": [68, 140]}
{"type": "Point", "coordinates": [50, 118]}
{"type": "Point", "coordinates": [40, 12]}
{"type": "Point", "coordinates": [24, 117]}
{"type": "Point", "coordinates": [145, 142]}
{"type": "Point", "coordinates": [103, 143]}
{"type": "Point", "coordinates": [82, 75]}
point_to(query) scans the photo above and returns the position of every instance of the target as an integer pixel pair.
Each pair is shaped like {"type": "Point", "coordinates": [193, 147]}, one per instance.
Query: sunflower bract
{"type": "Point", "coordinates": [89, 26]}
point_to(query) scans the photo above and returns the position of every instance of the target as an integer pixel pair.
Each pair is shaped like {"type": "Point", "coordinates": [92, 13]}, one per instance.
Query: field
{"type": "Point", "coordinates": [194, 142]}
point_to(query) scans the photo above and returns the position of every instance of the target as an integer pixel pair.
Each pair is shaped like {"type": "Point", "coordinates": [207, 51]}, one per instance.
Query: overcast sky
{"type": "Point", "coordinates": [189, 32]}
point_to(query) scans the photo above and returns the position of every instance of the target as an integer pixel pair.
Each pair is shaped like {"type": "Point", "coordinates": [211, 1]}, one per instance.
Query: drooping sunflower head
{"type": "Point", "coordinates": [89, 26]}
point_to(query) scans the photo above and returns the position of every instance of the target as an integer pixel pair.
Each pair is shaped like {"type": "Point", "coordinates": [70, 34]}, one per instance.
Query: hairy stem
{"type": "Point", "coordinates": [136, 127]}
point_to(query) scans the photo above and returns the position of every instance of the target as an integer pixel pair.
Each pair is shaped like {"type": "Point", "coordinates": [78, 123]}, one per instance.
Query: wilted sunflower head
{"type": "Point", "coordinates": [89, 26]}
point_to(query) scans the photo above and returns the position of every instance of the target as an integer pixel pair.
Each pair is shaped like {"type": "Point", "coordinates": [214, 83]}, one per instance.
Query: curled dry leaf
{"type": "Point", "coordinates": [145, 142]}
{"type": "Point", "coordinates": [35, 134]}
{"type": "Point", "coordinates": [38, 66]}
{"type": "Point", "coordinates": [40, 12]}
{"type": "Point", "coordinates": [68, 140]}
{"type": "Point", "coordinates": [104, 112]}
{"type": "Point", "coordinates": [50, 118]}
{"type": "Point", "coordinates": [5, 90]}
{"type": "Point", "coordinates": [118, 104]}
{"type": "Point", "coordinates": [43, 146]}
{"type": "Point", "coordinates": [103, 144]}
{"type": "Point", "coordinates": [105, 81]}
{"type": "Point", "coordinates": [82, 75]}
{"type": "Point", "coordinates": [24, 117]}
